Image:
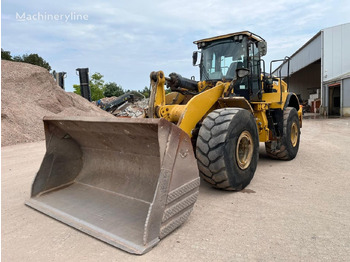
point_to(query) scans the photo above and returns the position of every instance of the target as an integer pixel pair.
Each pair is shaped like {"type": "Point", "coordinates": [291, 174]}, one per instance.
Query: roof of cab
{"type": "Point", "coordinates": [249, 34]}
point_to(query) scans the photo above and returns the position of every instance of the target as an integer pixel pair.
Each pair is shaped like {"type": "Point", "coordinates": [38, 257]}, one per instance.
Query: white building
{"type": "Point", "coordinates": [320, 71]}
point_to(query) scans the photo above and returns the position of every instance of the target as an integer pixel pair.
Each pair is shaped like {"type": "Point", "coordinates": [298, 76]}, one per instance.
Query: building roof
{"type": "Point", "coordinates": [306, 44]}
{"type": "Point", "coordinates": [304, 56]}
{"type": "Point", "coordinates": [300, 56]}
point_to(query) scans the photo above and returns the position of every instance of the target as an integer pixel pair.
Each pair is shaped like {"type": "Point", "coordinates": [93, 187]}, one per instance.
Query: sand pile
{"type": "Point", "coordinates": [28, 93]}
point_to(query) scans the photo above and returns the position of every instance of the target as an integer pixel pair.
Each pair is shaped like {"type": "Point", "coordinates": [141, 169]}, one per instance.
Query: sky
{"type": "Point", "coordinates": [126, 40]}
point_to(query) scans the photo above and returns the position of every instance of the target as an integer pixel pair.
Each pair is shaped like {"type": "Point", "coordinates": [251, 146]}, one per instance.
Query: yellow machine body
{"type": "Point", "coordinates": [187, 115]}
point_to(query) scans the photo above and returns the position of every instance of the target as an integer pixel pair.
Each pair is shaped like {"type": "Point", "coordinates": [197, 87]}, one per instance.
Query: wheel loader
{"type": "Point", "coordinates": [131, 182]}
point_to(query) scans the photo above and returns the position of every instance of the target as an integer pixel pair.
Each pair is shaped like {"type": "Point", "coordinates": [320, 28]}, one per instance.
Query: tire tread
{"type": "Point", "coordinates": [212, 135]}
{"type": "Point", "coordinates": [282, 153]}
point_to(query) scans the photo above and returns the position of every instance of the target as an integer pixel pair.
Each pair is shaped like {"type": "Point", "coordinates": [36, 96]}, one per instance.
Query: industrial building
{"type": "Point", "coordinates": [320, 71]}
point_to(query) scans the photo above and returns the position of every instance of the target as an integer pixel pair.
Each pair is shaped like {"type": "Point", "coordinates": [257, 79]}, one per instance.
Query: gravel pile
{"type": "Point", "coordinates": [28, 93]}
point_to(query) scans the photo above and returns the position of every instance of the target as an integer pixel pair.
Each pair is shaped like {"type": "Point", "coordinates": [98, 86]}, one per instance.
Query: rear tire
{"type": "Point", "coordinates": [289, 143]}
{"type": "Point", "coordinates": [227, 148]}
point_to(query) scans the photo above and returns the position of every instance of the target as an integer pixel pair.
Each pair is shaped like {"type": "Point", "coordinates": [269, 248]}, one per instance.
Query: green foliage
{"type": "Point", "coordinates": [33, 59]}
{"type": "Point", "coordinates": [6, 55]}
{"type": "Point", "coordinates": [112, 89]}
{"type": "Point", "coordinates": [17, 58]}
{"type": "Point", "coordinates": [96, 86]}
{"type": "Point", "coordinates": [76, 89]}
{"type": "Point", "coordinates": [146, 92]}
{"type": "Point", "coordinates": [99, 89]}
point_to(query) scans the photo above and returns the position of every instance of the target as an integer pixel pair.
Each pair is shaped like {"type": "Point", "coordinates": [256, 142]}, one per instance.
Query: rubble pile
{"type": "Point", "coordinates": [106, 100]}
{"type": "Point", "coordinates": [133, 110]}
{"type": "Point", "coordinates": [28, 93]}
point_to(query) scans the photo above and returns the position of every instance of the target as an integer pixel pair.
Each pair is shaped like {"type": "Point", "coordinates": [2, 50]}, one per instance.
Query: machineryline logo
{"type": "Point", "coordinates": [72, 16]}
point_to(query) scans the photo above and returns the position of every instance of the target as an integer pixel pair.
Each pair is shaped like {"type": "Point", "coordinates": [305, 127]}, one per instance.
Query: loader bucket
{"type": "Point", "coordinates": [128, 182]}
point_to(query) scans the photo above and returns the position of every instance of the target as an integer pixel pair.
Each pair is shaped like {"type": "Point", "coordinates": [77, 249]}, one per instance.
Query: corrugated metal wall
{"type": "Point", "coordinates": [332, 47]}
{"type": "Point", "coordinates": [336, 51]}
{"type": "Point", "coordinates": [346, 97]}
{"type": "Point", "coordinates": [305, 56]}
{"type": "Point", "coordinates": [336, 65]}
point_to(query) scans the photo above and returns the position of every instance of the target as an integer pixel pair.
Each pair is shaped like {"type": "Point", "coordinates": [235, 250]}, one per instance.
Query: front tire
{"type": "Point", "coordinates": [227, 148]}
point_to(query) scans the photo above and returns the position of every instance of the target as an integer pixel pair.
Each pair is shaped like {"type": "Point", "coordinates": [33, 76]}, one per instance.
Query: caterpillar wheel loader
{"type": "Point", "coordinates": [131, 182]}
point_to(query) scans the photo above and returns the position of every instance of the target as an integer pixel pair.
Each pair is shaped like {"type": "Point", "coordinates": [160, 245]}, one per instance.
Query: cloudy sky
{"type": "Point", "coordinates": [126, 40]}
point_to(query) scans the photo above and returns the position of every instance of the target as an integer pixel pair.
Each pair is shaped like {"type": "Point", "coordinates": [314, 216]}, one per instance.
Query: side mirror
{"type": "Point", "coordinates": [194, 58]}
{"type": "Point", "coordinates": [262, 48]}
{"type": "Point", "coordinates": [242, 72]}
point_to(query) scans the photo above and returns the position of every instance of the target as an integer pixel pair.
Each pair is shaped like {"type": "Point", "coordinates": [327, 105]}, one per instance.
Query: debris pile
{"type": "Point", "coordinates": [106, 100]}
{"type": "Point", "coordinates": [136, 109]}
{"type": "Point", "coordinates": [28, 93]}
{"type": "Point", "coordinates": [131, 104]}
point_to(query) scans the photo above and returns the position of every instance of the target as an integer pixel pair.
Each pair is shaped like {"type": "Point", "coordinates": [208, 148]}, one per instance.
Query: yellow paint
{"type": "Point", "coordinates": [220, 37]}
{"type": "Point", "coordinates": [300, 115]}
{"type": "Point", "coordinates": [227, 85]}
{"type": "Point", "coordinates": [235, 101]}
{"type": "Point", "coordinates": [198, 107]}
{"type": "Point", "coordinates": [202, 86]}
{"type": "Point", "coordinates": [157, 97]}
{"type": "Point", "coordinates": [187, 116]}
{"type": "Point", "coordinates": [160, 95]}
{"type": "Point", "coordinates": [171, 113]}
{"type": "Point", "coordinates": [174, 98]}
{"type": "Point", "coordinates": [275, 97]}
{"type": "Point", "coordinates": [261, 120]}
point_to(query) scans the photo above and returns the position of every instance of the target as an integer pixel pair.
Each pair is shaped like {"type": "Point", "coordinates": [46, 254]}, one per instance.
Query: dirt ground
{"type": "Point", "coordinates": [291, 211]}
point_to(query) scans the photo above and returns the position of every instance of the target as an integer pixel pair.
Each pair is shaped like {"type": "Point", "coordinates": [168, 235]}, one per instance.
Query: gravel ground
{"type": "Point", "coordinates": [292, 211]}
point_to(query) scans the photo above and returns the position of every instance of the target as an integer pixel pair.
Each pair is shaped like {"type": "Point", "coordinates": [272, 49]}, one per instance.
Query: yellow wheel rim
{"type": "Point", "coordinates": [244, 150]}
{"type": "Point", "coordinates": [294, 134]}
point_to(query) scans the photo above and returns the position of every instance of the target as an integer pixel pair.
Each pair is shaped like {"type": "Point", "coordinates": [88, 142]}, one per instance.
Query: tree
{"type": "Point", "coordinates": [96, 87]}
{"type": "Point", "coordinates": [77, 89]}
{"type": "Point", "coordinates": [112, 89]}
{"type": "Point", "coordinates": [35, 59]}
{"type": "Point", "coordinates": [17, 58]}
{"type": "Point", "coordinates": [6, 55]}
{"type": "Point", "coordinates": [145, 92]}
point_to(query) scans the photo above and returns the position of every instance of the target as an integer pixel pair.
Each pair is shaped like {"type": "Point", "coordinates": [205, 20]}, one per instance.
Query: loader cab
{"type": "Point", "coordinates": [221, 56]}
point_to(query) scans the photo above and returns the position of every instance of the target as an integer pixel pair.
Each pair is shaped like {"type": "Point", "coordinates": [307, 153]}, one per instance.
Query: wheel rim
{"type": "Point", "coordinates": [294, 134]}
{"type": "Point", "coordinates": [244, 150]}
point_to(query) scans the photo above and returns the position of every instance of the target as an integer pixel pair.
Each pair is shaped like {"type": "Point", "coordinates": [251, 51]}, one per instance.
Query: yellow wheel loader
{"type": "Point", "coordinates": [131, 182]}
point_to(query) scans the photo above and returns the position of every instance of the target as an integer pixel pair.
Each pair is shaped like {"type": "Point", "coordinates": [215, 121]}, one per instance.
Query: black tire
{"type": "Point", "coordinates": [227, 148]}
{"type": "Point", "coordinates": [289, 143]}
